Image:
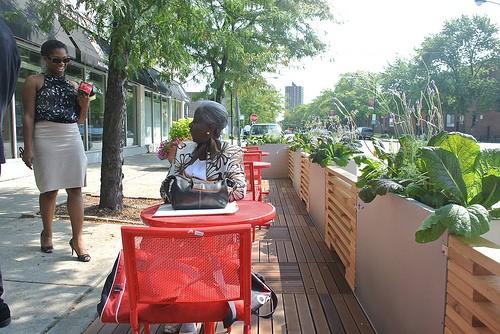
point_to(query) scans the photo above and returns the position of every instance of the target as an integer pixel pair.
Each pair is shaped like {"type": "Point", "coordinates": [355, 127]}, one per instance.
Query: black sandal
{"type": "Point", "coordinates": [45, 249]}
{"type": "Point", "coordinates": [80, 257]}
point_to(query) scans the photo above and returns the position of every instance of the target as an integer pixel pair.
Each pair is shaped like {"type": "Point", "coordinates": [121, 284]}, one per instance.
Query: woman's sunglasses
{"type": "Point", "coordinates": [57, 60]}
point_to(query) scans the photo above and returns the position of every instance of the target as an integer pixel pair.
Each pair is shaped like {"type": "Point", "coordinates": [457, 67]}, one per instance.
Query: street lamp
{"type": "Point", "coordinates": [480, 2]}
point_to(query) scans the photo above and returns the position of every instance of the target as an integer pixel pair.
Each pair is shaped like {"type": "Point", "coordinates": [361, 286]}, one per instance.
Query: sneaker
{"type": "Point", "coordinates": [171, 328]}
{"type": "Point", "coordinates": [4, 315]}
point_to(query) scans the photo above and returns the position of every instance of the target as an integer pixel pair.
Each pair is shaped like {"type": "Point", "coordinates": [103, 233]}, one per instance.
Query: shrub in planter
{"type": "Point", "coordinates": [450, 174]}
{"type": "Point", "coordinates": [178, 132]}
{"type": "Point", "coordinates": [327, 151]}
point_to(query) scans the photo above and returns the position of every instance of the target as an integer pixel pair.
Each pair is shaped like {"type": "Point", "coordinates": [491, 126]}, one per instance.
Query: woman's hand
{"type": "Point", "coordinates": [83, 101]}
{"type": "Point", "coordinates": [27, 157]}
{"type": "Point", "coordinates": [171, 151]}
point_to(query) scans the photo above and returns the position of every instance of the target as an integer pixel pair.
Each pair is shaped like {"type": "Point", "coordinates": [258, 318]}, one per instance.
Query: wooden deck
{"type": "Point", "coordinates": [307, 277]}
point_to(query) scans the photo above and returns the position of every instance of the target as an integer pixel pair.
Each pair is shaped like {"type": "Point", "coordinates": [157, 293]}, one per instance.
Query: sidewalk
{"type": "Point", "coordinates": [54, 293]}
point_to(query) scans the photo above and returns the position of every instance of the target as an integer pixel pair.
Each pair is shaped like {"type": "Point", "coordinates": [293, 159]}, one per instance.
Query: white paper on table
{"type": "Point", "coordinates": [166, 210]}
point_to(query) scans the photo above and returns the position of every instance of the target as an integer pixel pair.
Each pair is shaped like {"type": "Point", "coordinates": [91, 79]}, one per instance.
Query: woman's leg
{"type": "Point", "coordinates": [75, 210]}
{"type": "Point", "coordinates": [47, 202]}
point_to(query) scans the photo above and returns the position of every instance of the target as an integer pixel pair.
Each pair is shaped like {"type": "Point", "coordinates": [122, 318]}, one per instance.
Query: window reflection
{"type": "Point", "coordinates": [96, 111]}
{"type": "Point", "coordinates": [148, 119]}
{"type": "Point", "coordinates": [156, 119]}
{"type": "Point", "coordinates": [164, 119]}
{"type": "Point", "coordinates": [131, 131]}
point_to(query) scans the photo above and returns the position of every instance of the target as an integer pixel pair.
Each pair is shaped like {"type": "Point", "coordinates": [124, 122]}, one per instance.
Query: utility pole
{"type": "Point", "coordinates": [231, 126]}
{"type": "Point", "coordinates": [237, 114]}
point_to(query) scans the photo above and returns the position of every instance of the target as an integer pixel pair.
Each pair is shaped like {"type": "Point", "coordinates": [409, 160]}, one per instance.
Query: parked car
{"type": "Point", "coordinates": [259, 130]}
{"type": "Point", "coordinates": [364, 133]}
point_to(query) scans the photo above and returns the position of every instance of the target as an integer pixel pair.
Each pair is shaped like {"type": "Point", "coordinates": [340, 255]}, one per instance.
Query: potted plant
{"type": "Point", "coordinates": [277, 146]}
{"type": "Point", "coordinates": [178, 133]}
{"type": "Point", "coordinates": [445, 185]}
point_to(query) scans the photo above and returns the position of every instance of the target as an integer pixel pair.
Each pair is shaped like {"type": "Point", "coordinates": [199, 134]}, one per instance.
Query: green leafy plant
{"type": "Point", "coordinates": [450, 174]}
{"type": "Point", "coordinates": [180, 129]}
{"type": "Point", "coordinates": [328, 151]}
{"type": "Point", "coordinates": [301, 142]}
{"type": "Point", "coordinates": [266, 139]}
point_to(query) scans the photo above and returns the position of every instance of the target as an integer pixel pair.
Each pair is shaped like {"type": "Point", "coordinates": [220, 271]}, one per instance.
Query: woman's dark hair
{"type": "Point", "coordinates": [213, 113]}
{"type": "Point", "coordinates": [51, 45]}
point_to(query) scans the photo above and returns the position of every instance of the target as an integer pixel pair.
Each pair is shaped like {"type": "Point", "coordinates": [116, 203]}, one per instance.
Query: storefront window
{"type": "Point", "coordinates": [30, 66]}
{"type": "Point", "coordinates": [175, 110]}
{"type": "Point", "coordinates": [164, 119]}
{"type": "Point", "coordinates": [131, 117]}
{"type": "Point", "coordinates": [156, 119]}
{"type": "Point", "coordinates": [96, 111]}
{"type": "Point", "coordinates": [7, 134]}
{"type": "Point", "coordinates": [148, 118]}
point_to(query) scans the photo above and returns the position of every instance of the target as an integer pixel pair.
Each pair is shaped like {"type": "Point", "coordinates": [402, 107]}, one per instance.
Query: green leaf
{"type": "Point", "coordinates": [490, 192]}
{"type": "Point", "coordinates": [444, 172]}
{"type": "Point", "coordinates": [469, 222]}
{"type": "Point", "coordinates": [488, 163]}
{"type": "Point", "coordinates": [430, 229]}
{"type": "Point", "coordinates": [437, 139]}
{"type": "Point", "coordinates": [466, 149]}
{"type": "Point", "coordinates": [495, 213]}
{"type": "Point", "coordinates": [366, 194]}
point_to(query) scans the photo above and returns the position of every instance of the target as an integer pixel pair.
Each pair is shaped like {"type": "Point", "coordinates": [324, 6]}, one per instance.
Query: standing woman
{"type": "Point", "coordinates": [53, 147]}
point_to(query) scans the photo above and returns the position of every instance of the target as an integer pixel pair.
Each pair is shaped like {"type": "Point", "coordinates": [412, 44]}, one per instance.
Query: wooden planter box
{"type": "Point", "coordinates": [304, 178]}
{"type": "Point", "coordinates": [317, 195]}
{"type": "Point", "coordinates": [473, 289]}
{"type": "Point", "coordinates": [400, 284]}
{"type": "Point", "coordinates": [296, 158]}
{"type": "Point", "coordinates": [278, 157]}
{"type": "Point", "coordinates": [341, 218]}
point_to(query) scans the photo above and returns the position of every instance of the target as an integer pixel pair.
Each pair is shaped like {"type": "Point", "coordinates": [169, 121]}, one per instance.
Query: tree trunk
{"type": "Point", "coordinates": [219, 93]}
{"type": "Point", "coordinates": [111, 195]}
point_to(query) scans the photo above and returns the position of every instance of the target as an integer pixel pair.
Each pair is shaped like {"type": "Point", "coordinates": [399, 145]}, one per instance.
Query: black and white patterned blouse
{"type": "Point", "coordinates": [227, 164]}
{"type": "Point", "coordinates": [56, 101]}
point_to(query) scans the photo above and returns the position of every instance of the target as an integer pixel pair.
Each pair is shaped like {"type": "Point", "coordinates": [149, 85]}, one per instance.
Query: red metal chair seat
{"type": "Point", "coordinates": [187, 275]}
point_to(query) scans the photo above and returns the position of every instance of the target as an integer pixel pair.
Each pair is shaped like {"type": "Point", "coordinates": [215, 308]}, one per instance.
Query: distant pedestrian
{"type": "Point", "coordinates": [9, 70]}
{"type": "Point", "coordinates": [52, 144]}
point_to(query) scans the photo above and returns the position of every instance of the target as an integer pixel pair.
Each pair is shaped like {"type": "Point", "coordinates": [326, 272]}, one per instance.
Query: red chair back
{"type": "Point", "coordinates": [252, 156]}
{"type": "Point", "coordinates": [252, 148]}
{"type": "Point", "coordinates": [199, 268]}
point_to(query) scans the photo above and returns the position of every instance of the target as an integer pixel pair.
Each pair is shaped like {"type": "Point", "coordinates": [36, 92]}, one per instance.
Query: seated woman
{"type": "Point", "coordinates": [207, 158]}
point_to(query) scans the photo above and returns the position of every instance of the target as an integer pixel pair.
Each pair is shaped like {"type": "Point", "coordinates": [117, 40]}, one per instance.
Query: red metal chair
{"type": "Point", "coordinates": [252, 156]}
{"type": "Point", "coordinates": [253, 148]}
{"type": "Point", "coordinates": [254, 189]}
{"type": "Point", "coordinates": [187, 275]}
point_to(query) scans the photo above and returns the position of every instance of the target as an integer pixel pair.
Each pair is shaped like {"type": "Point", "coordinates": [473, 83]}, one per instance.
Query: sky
{"type": "Point", "coordinates": [368, 35]}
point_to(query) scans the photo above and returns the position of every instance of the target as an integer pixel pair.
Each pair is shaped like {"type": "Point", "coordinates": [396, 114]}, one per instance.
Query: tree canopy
{"type": "Point", "coordinates": [236, 40]}
{"type": "Point", "coordinates": [462, 59]}
{"type": "Point", "coordinates": [455, 70]}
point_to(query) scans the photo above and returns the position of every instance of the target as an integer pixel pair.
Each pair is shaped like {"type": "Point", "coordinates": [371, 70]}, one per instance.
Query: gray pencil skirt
{"type": "Point", "coordinates": [59, 159]}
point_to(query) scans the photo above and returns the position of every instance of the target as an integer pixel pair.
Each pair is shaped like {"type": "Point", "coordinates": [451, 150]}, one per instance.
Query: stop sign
{"type": "Point", "coordinates": [253, 117]}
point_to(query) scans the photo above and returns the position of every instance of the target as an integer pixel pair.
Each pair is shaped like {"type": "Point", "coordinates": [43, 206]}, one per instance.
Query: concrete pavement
{"type": "Point", "coordinates": [54, 293]}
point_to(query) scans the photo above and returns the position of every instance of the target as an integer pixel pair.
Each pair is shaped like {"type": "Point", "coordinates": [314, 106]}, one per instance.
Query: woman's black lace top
{"type": "Point", "coordinates": [56, 101]}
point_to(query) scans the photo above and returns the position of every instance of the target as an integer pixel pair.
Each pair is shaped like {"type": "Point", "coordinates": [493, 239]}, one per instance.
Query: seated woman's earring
{"type": "Point", "coordinates": [208, 132]}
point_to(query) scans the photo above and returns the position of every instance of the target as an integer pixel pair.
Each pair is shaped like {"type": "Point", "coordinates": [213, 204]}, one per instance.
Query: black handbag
{"type": "Point", "coordinates": [185, 193]}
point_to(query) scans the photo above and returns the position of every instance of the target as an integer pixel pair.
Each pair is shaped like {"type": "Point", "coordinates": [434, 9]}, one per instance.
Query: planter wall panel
{"type": "Point", "coordinates": [473, 287]}
{"type": "Point", "coordinates": [297, 166]}
{"type": "Point", "coordinates": [304, 179]}
{"type": "Point", "coordinates": [278, 157]}
{"type": "Point", "coordinates": [400, 283]}
{"type": "Point", "coordinates": [290, 164]}
{"type": "Point", "coordinates": [341, 219]}
{"type": "Point", "coordinates": [317, 194]}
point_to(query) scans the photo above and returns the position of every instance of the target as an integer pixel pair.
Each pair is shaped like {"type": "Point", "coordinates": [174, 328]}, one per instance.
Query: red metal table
{"type": "Point", "coordinates": [262, 153]}
{"type": "Point", "coordinates": [249, 212]}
